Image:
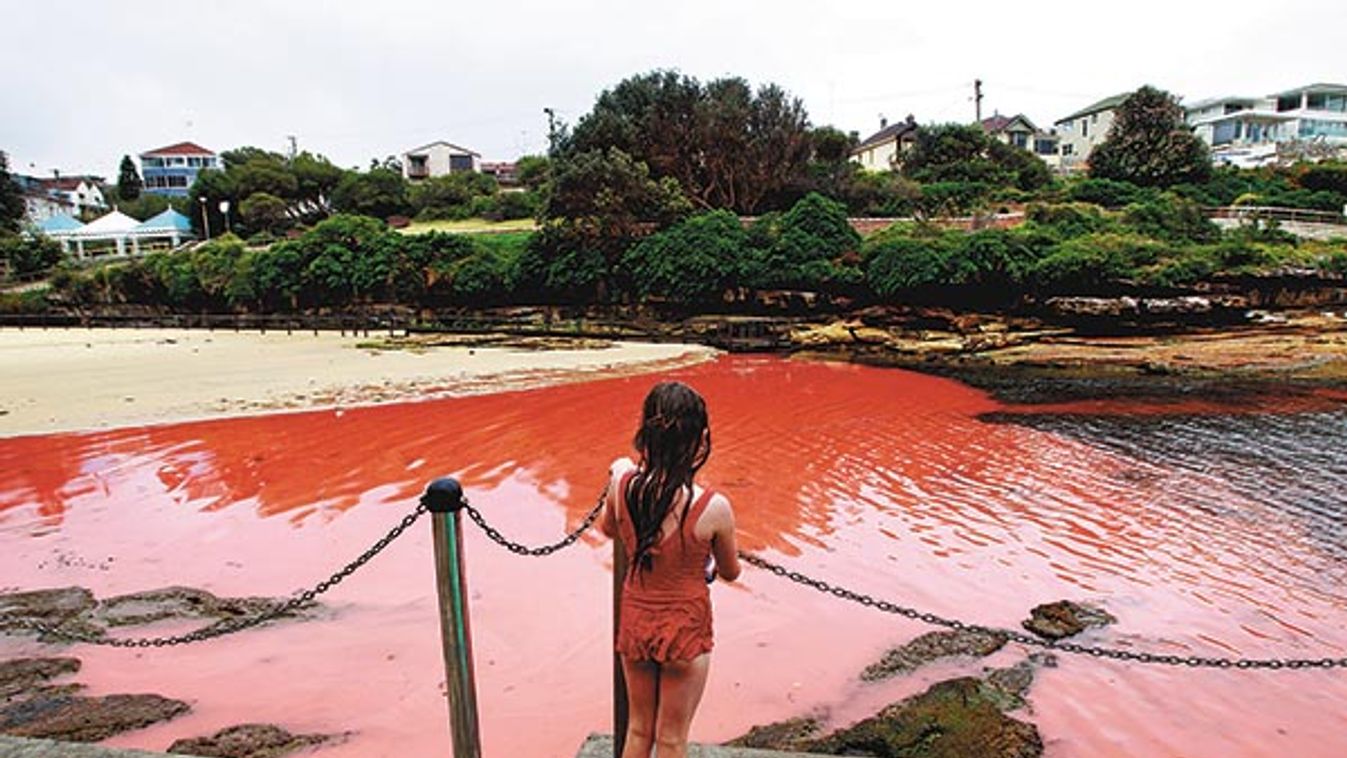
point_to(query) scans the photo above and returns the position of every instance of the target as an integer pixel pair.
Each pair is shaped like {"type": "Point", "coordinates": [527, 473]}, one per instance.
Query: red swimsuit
{"type": "Point", "coordinates": [666, 612]}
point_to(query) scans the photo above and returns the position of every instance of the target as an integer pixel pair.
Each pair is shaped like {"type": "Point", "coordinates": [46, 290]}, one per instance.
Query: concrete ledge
{"type": "Point", "coordinates": [24, 747]}
{"type": "Point", "coordinates": [601, 746]}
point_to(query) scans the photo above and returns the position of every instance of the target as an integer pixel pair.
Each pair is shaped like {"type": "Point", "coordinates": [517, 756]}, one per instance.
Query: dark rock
{"type": "Point", "coordinates": [52, 606]}
{"type": "Point", "coordinates": [1010, 685]}
{"type": "Point", "coordinates": [1055, 621]}
{"type": "Point", "coordinates": [18, 677]}
{"type": "Point", "coordinates": [74, 718]}
{"type": "Point", "coordinates": [174, 603]}
{"type": "Point", "coordinates": [1093, 307]}
{"type": "Point", "coordinates": [248, 741]}
{"type": "Point", "coordinates": [929, 647]}
{"type": "Point", "coordinates": [789, 735]}
{"type": "Point", "coordinates": [956, 718]}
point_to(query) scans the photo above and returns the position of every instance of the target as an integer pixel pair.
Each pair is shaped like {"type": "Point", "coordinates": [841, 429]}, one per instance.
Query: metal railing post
{"type": "Point", "coordinates": [619, 678]}
{"type": "Point", "coordinates": [444, 500]}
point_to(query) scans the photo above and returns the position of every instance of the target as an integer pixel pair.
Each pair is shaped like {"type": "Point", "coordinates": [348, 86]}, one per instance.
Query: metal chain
{"type": "Point", "coordinates": [229, 625]}
{"type": "Point", "coordinates": [1027, 639]}
{"type": "Point", "coordinates": [543, 550]}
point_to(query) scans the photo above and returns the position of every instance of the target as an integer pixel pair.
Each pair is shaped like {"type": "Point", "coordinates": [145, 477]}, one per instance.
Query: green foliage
{"type": "Point", "coordinates": [12, 208]}
{"type": "Point", "coordinates": [899, 263]}
{"type": "Point", "coordinates": [30, 255]}
{"type": "Point", "coordinates": [129, 183]}
{"type": "Point", "coordinates": [533, 171]}
{"type": "Point", "coordinates": [379, 192]}
{"type": "Point", "coordinates": [266, 212]}
{"type": "Point", "coordinates": [1095, 262]}
{"type": "Point", "coordinates": [694, 261]}
{"type": "Point", "coordinates": [955, 153]}
{"type": "Point", "coordinates": [1329, 176]}
{"type": "Point", "coordinates": [1068, 219]}
{"type": "Point", "coordinates": [1171, 218]}
{"type": "Point", "coordinates": [724, 143]}
{"type": "Point", "coordinates": [1105, 192]}
{"type": "Point", "coordinates": [811, 246]}
{"type": "Point", "coordinates": [951, 198]}
{"type": "Point", "coordinates": [1150, 145]}
{"type": "Point", "coordinates": [451, 196]}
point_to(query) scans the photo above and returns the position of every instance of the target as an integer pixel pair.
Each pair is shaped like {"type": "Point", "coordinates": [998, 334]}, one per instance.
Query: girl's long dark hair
{"type": "Point", "coordinates": [674, 442]}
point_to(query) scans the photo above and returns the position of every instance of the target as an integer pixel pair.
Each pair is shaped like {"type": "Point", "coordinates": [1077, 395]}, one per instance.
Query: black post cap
{"type": "Point", "coordinates": [443, 495]}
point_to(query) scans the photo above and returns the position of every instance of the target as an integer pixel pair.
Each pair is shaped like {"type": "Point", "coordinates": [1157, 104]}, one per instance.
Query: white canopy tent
{"type": "Point", "coordinates": [125, 233]}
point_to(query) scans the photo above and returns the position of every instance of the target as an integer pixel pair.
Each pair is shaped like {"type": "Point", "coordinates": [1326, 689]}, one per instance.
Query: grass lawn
{"type": "Point", "coordinates": [471, 226]}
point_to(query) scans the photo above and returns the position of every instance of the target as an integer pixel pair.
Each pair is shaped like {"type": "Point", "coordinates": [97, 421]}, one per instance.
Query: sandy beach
{"type": "Point", "coordinates": [67, 380]}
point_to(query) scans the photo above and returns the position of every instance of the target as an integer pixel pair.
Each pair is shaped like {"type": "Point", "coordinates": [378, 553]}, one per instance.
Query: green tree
{"type": "Point", "coordinates": [262, 211]}
{"type": "Point", "coordinates": [727, 145]}
{"type": "Point", "coordinates": [265, 173]}
{"type": "Point", "coordinates": [533, 171]}
{"type": "Point", "coordinates": [965, 154]}
{"type": "Point", "coordinates": [129, 184]}
{"type": "Point", "coordinates": [450, 196]}
{"type": "Point", "coordinates": [379, 192]}
{"type": "Point", "coordinates": [1150, 145]}
{"type": "Point", "coordinates": [316, 179]}
{"type": "Point", "coordinates": [30, 256]}
{"type": "Point", "coordinates": [210, 188]}
{"type": "Point", "coordinates": [12, 208]}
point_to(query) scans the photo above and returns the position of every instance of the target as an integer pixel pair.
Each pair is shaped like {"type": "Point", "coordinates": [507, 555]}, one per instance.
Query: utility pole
{"type": "Point", "coordinates": [294, 146]}
{"type": "Point", "coordinates": [977, 100]}
{"type": "Point", "coordinates": [551, 132]}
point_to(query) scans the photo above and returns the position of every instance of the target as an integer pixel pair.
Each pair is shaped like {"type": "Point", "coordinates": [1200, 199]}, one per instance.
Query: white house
{"type": "Point", "coordinates": [884, 150]}
{"type": "Point", "coordinates": [1254, 131]}
{"type": "Point", "coordinates": [60, 196]}
{"type": "Point", "coordinates": [439, 159]}
{"type": "Point", "coordinates": [1083, 130]}
{"type": "Point", "coordinates": [1019, 131]}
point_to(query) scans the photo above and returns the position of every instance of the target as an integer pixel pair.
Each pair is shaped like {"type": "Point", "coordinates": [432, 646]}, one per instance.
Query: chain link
{"type": "Point", "coordinates": [230, 625]}
{"type": "Point", "coordinates": [542, 550]}
{"type": "Point", "coordinates": [1028, 639]}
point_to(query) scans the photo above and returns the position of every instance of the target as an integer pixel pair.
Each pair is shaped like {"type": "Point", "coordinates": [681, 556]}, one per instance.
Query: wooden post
{"type": "Point", "coordinates": [444, 499]}
{"type": "Point", "coordinates": [619, 678]}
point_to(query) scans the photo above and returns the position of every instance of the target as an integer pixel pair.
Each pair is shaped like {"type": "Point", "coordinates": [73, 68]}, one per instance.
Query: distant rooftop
{"type": "Point", "coordinates": [890, 132]}
{"type": "Point", "coordinates": [1320, 87]}
{"type": "Point", "coordinates": [446, 144]}
{"type": "Point", "coordinates": [1108, 103]}
{"type": "Point", "coordinates": [168, 221]}
{"type": "Point", "coordinates": [181, 148]}
{"type": "Point", "coordinates": [59, 223]}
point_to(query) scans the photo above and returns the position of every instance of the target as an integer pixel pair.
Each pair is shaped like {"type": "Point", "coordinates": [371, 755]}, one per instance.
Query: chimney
{"type": "Point", "coordinates": [883, 122]}
{"type": "Point", "coordinates": [56, 173]}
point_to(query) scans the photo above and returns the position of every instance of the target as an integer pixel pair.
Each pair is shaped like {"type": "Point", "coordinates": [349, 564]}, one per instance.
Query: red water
{"type": "Point", "coordinates": [882, 480]}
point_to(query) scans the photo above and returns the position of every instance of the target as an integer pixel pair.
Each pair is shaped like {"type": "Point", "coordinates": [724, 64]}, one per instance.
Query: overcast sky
{"type": "Point", "coordinates": [87, 81]}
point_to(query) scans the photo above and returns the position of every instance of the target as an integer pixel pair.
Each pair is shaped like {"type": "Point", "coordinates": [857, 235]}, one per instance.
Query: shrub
{"type": "Point", "coordinates": [809, 246]}
{"type": "Point", "coordinates": [30, 255]}
{"type": "Point", "coordinates": [1109, 193]}
{"type": "Point", "coordinates": [1068, 219]}
{"type": "Point", "coordinates": [1094, 262]}
{"type": "Point", "coordinates": [694, 261]}
{"type": "Point", "coordinates": [1171, 218]}
{"type": "Point", "coordinates": [896, 263]}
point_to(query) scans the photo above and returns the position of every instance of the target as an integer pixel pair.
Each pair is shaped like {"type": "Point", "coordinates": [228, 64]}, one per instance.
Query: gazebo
{"type": "Point", "coordinates": [124, 232]}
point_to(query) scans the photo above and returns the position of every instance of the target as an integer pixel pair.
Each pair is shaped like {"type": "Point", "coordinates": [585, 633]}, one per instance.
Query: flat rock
{"type": "Point", "coordinates": [52, 606]}
{"type": "Point", "coordinates": [956, 718]}
{"type": "Point", "coordinates": [1055, 621]}
{"type": "Point", "coordinates": [27, 747]}
{"type": "Point", "coordinates": [781, 735]}
{"type": "Point", "coordinates": [75, 718]}
{"type": "Point", "coordinates": [932, 646]}
{"type": "Point", "coordinates": [149, 606]}
{"type": "Point", "coordinates": [20, 676]}
{"type": "Point", "coordinates": [248, 741]}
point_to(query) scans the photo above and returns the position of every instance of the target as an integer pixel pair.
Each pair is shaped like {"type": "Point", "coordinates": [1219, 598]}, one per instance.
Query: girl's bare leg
{"type": "Point", "coordinates": [642, 698]}
{"type": "Point", "coordinates": [680, 689]}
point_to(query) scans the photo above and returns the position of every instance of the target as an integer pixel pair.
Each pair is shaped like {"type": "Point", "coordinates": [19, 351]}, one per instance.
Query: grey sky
{"type": "Point", "coordinates": [86, 82]}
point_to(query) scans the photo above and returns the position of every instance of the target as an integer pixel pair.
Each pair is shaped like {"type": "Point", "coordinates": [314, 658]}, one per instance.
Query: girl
{"type": "Point", "coordinates": [670, 529]}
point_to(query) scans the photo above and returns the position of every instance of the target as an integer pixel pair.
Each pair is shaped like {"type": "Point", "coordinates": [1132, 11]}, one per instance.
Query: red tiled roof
{"type": "Point", "coordinates": [64, 183]}
{"type": "Point", "coordinates": [182, 148]}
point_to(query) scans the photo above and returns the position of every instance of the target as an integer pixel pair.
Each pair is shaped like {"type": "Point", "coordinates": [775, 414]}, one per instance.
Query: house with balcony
{"type": "Point", "coordinates": [1083, 130]}
{"type": "Point", "coordinates": [172, 170]}
{"type": "Point", "coordinates": [439, 159]}
{"type": "Point", "coordinates": [1020, 132]}
{"type": "Point", "coordinates": [1255, 131]}
{"type": "Point", "coordinates": [884, 150]}
{"type": "Point", "coordinates": [59, 195]}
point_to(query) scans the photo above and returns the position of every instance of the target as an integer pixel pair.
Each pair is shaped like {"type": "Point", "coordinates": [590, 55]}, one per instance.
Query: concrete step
{"type": "Point", "coordinates": [601, 746]}
{"type": "Point", "coordinates": [25, 747]}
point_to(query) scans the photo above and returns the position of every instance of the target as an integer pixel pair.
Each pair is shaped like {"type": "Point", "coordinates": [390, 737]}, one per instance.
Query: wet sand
{"type": "Point", "coordinates": [74, 379]}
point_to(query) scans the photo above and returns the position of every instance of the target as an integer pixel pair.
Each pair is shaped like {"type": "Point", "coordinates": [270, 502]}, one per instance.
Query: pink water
{"type": "Point", "coordinates": [882, 480]}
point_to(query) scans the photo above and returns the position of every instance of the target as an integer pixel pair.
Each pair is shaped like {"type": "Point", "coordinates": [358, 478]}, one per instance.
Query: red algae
{"type": "Point", "coordinates": [886, 481]}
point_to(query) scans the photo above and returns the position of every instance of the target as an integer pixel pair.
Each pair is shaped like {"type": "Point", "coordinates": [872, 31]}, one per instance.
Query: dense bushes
{"type": "Point", "coordinates": [29, 255]}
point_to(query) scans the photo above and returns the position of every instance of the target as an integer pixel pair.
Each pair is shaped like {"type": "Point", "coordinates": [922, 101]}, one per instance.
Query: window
{"type": "Point", "coordinates": [1288, 102]}
{"type": "Point", "coordinates": [1020, 140]}
{"type": "Point", "coordinates": [1068, 149]}
{"type": "Point", "coordinates": [177, 181]}
{"type": "Point", "coordinates": [152, 162]}
{"type": "Point", "coordinates": [1325, 101]}
{"type": "Point", "coordinates": [1094, 117]}
{"type": "Point", "coordinates": [1310, 127]}
{"type": "Point", "coordinates": [460, 163]}
{"type": "Point", "coordinates": [1045, 146]}
{"type": "Point", "coordinates": [1084, 127]}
